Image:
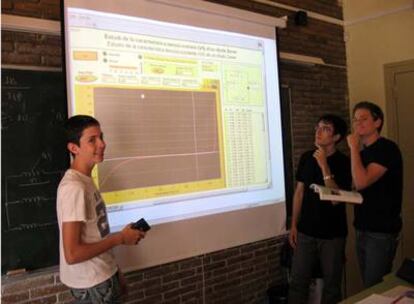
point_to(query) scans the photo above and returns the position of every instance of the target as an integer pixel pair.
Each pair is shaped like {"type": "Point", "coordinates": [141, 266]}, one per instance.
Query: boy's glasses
{"type": "Point", "coordinates": [325, 129]}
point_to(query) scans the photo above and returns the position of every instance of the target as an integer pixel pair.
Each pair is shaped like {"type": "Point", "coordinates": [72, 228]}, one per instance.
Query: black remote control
{"type": "Point", "coordinates": [141, 224]}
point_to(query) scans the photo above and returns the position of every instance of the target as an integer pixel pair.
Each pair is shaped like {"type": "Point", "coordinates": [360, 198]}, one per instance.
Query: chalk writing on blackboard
{"type": "Point", "coordinates": [33, 160]}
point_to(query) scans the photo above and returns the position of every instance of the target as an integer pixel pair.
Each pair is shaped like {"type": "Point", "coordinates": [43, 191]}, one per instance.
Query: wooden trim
{"type": "Point", "coordinates": [28, 24]}
{"type": "Point", "coordinates": [30, 67]}
{"type": "Point", "coordinates": [306, 60]}
{"type": "Point", "coordinates": [301, 58]}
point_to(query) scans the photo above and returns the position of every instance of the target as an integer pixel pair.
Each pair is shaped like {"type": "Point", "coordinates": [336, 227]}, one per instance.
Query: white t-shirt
{"type": "Point", "coordinates": [79, 200]}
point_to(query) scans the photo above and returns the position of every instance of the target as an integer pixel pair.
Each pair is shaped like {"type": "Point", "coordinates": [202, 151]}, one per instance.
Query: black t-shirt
{"type": "Point", "coordinates": [319, 218]}
{"type": "Point", "coordinates": [381, 209]}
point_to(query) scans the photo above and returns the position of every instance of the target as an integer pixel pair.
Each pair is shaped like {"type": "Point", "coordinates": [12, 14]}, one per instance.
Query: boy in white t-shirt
{"type": "Point", "coordinates": [87, 264]}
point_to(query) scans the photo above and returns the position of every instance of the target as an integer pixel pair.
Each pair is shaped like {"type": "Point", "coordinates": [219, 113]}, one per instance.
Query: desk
{"type": "Point", "coordinates": [390, 281]}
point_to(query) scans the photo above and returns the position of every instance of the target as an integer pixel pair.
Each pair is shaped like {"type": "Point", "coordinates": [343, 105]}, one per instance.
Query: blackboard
{"type": "Point", "coordinates": [33, 160]}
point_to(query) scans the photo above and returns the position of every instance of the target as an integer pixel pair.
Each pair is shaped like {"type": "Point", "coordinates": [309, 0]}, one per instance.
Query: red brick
{"type": "Point", "coordinates": [191, 263]}
{"type": "Point", "coordinates": [150, 300]}
{"type": "Point", "coordinates": [150, 291]}
{"type": "Point", "coordinates": [14, 297]}
{"type": "Point", "coordinates": [215, 280]}
{"type": "Point", "coordinates": [240, 259]}
{"type": "Point", "coordinates": [51, 12]}
{"type": "Point", "coordinates": [6, 5]}
{"type": "Point", "coordinates": [227, 270]}
{"type": "Point", "coordinates": [7, 47]}
{"type": "Point", "coordinates": [65, 296]}
{"type": "Point", "coordinates": [160, 270]}
{"type": "Point", "coordinates": [45, 300]}
{"type": "Point", "coordinates": [135, 295]}
{"type": "Point", "coordinates": [227, 284]}
{"type": "Point", "coordinates": [19, 59]}
{"type": "Point", "coordinates": [51, 61]}
{"type": "Point", "coordinates": [25, 8]}
{"type": "Point", "coordinates": [29, 283]}
{"type": "Point", "coordinates": [252, 247]}
{"type": "Point", "coordinates": [222, 255]}
{"type": "Point", "coordinates": [175, 300]}
{"type": "Point", "coordinates": [179, 291]}
{"type": "Point", "coordinates": [47, 290]}
{"type": "Point", "coordinates": [193, 295]}
{"type": "Point", "coordinates": [55, 3]}
{"type": "Point", "coordinates": [179, 275]}
{"type": "Point", "coordinates": [148, 283]}
{"type": "Point", "coordinates": [213, 266]}
{"type": "Point", "coordinates": [191, 280]}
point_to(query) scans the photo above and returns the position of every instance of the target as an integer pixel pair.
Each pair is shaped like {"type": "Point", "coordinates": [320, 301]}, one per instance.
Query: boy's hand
{"type": "Point", "coordinates": [293, 236]}
{"type": "Point", "coordinates": [353, 141]}
{"type": "Point", "coordinates": [131, 236]}
{"type": "Point", "coordinates": [320, 156]}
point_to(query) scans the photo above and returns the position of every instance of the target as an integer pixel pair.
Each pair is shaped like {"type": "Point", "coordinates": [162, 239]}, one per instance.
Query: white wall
{"type": "Point", "coordinates": [377, 32]}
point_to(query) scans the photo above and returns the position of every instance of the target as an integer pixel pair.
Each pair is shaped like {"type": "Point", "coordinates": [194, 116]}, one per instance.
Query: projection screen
{"type": "Point", "coordinates": [187, 94]}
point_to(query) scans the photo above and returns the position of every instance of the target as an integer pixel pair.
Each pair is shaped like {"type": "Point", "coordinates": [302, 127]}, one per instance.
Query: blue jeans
{"type": "Point", "coordinates": [107, 292]}
{"type": "Point", "coordinates": [309, 250]}
{"type": "Point", "coordinates": [376, 252]}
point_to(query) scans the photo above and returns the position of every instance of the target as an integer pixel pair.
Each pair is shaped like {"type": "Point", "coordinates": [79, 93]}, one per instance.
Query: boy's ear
{"type": "Point", "coordinates": [336, 137]}
{"type": "Point", "coordinates": [378, 122]}
{"type": "Point", "coordinates": [73, 148]}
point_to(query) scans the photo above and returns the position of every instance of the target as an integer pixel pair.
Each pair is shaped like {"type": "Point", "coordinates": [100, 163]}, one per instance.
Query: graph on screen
{"type": "Point", "coordinates": [159, 141]}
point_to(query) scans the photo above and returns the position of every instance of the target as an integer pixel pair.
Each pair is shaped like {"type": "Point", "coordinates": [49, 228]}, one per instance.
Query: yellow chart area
{"type": "Point", "coordinates": [243, 85]}
{"type": "Point", "coordinates": [160, 142]}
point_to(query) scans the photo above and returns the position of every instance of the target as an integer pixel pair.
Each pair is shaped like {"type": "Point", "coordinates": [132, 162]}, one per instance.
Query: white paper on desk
{"type": "Point", "coordinates": [406, 300]}
{"type": "Point", "coordinates": [376, 299]}
{"type": "Point", "coordinates": [397, 291]}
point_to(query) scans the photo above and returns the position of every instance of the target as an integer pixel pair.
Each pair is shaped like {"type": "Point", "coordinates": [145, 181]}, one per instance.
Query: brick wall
{"type": "Point", "coordinates": [45, 9]}
{"type": "Point", "coordinates": [31, 49]}
{"type": "Point", "coordinates": [236, 275]}
{"type": "Point", "coordinates": [315, 90]}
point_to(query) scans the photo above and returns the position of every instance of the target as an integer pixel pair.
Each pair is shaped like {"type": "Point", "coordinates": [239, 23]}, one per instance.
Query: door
{"type": "Point", "coordinates": [399, 85]}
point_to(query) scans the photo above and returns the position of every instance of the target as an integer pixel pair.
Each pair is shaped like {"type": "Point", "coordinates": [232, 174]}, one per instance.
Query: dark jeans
{"type": "Point", "coordinates": [330, 254]}
{"type": "Point", "coordinates": [376, 252]}
{"type": "Point", "coordinates": [106, 292]}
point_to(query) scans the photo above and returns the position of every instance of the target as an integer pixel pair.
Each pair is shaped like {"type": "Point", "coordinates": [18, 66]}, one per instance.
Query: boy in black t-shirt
{"type": "Point", "coordinates": [319, 228]}
{"type": "Point", "coordinates": [377, 174]}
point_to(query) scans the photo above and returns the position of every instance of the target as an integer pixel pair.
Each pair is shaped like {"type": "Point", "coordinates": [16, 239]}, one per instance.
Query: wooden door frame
{"type": "Point", "coordinates": [390, 70]}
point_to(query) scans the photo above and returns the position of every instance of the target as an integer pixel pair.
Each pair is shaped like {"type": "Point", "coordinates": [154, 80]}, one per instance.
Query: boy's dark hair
{"type": "Point", "coordinates": [375, 111]}
{"type": "Point", "coordinates": [339, 125]}
{"type": "Point", "coordinates": [75, 125]}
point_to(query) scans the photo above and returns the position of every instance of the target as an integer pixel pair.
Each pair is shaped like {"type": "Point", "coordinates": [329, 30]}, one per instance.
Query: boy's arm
{"type": "Point", "coordinates": [321, 159]}
{"type": "Point", "coordinates": [361, 176]}
{"type": "Point", "coordinates": [77, 251]}
{"type": "Point", "coordinates": [297, 206]}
